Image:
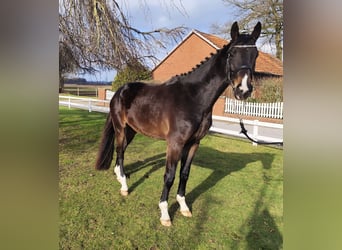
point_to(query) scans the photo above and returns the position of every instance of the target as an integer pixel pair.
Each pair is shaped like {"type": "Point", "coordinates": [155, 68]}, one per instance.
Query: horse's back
{"type": "Point", "coordinates": [143, 107]}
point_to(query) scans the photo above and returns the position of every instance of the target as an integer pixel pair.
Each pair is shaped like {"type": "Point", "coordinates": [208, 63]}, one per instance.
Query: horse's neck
{"type": "Point", "coordinates": [212, 91]}
{"type": "Point", "coordinates": [210, 80]}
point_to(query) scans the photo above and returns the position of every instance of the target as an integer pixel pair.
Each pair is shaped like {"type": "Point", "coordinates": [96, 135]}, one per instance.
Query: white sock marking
{"type": "Point", "coordinates": [244, 86]}
{"type": "Point", "coordinates": [163, 209]}
{"type": "Point", "coordinates": [182, 203]}
{"type": "Point", "coordinates": [121, 179]}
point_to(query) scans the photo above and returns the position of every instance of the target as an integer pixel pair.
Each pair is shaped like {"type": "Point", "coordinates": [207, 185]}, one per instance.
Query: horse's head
{"type": "Point", "coordinates": [241, 57]}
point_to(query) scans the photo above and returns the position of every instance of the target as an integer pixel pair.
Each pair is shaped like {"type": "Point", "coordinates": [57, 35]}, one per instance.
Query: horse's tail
{"type": "Point", "coordinates": [106, 150]}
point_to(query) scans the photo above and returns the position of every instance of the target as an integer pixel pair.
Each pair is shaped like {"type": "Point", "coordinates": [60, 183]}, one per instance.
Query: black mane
{"type": "Point", "coordinates": [198, 66]}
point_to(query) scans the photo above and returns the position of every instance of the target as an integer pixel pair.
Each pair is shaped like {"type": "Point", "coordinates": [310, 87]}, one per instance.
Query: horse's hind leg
{"type": "Point", "coordinates": [186, 160]}
{"type": "Point", "coordinates": [123, 138]}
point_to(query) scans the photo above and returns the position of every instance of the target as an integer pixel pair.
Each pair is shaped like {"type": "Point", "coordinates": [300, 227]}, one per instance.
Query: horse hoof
{"type": "Point", "coordinates": [166, 223]}
{"type": "Point", "coordinates": [186, 213]}
{"type": "Point", "coordinates": [123, 192]}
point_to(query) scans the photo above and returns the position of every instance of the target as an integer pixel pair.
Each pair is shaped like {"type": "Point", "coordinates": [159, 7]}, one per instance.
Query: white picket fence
{"type": "Point", "coordinates": [268, 110]}
{"type": "Point", "coordinates": [224, 125]}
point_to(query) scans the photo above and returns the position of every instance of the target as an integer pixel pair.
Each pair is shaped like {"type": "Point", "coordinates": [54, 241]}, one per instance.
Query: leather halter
{"type": "Point", "coordinates": [229, 72]}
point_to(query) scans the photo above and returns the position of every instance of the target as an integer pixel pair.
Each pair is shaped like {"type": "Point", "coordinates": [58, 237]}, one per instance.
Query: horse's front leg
{"type": "Point", "coordinates": [186, 160]}
{"type": "Point", "coordinates": [172, 158]}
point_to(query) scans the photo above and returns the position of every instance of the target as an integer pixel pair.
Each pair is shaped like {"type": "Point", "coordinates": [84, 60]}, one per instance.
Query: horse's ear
{"type": "Point", "coordinates": [234, 31]}
{"type": "Point", "coordinates": [256, 32]}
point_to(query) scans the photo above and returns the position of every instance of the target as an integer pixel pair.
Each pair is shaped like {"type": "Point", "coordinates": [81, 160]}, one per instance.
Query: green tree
{"type": "Point", "coordinates": [131, 73]}
{"type": "Point", "coordinates": [271, 90]}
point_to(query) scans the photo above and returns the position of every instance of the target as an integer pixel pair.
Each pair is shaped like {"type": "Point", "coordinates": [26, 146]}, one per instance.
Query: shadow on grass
{"type": "Point", "coordinates": [81, 130]}
{"type": "Point", "coordinates": [76, 117]}
{"type": "Point", "coordinates": [157, 162]}
{"type": "Point", "coordinates": [260, 229]}
{"type": "Point", "coordinates": [223, 164]}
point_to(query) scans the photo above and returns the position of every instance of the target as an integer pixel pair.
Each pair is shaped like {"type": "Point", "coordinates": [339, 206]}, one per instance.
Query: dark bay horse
{"type": "Point", "coordinates": [178, 111]}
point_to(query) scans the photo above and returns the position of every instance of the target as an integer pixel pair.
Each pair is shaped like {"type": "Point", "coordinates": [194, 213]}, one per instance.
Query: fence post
{"type": "Point", "coordinates": [255, 131]}
{"type": "Point", "coordinates": [89, 105]}
{"type": "Point", "coordinates": [69, 104]}
{"type": "Point", "coordinates": [281, 110]}
{"type": "Point", "coordinates": [225, 104]}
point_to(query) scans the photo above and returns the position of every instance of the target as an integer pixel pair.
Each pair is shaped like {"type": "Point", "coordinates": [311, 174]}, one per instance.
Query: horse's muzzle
{"type": "Point", "coordinates": [242, 84]}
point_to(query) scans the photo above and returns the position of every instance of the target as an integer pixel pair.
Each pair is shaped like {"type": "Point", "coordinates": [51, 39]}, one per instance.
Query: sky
{"type": "Point", "coordinates": [195, 14]}
{"type": "Point", "coordinates": [151, 14]}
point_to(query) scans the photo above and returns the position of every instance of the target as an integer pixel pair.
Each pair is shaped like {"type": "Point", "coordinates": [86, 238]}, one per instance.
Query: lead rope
{"type": "Point", "coordinates": [244, 130]}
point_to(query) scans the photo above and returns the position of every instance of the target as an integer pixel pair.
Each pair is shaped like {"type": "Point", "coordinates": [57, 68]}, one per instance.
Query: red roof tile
{"type": "Point", "coordinates": [267, 63]}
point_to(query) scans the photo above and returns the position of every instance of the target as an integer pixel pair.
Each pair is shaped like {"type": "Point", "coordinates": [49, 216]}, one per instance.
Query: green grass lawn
{"type": "Point", "coordinates": [235, 193]}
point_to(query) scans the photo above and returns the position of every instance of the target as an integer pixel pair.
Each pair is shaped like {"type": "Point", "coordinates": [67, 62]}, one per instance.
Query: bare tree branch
{"type": "Point", "coordinates": [97, 33]}
{"type": "Point", "coordinates": [268, 12]}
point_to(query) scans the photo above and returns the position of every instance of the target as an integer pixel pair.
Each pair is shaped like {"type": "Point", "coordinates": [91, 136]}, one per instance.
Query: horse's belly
{"type": "Point", "coordinates": [150, 126]}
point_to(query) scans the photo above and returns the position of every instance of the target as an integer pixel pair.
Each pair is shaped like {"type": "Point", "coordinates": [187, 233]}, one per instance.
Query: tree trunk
{"type": "Point", "coordinates": [279, 48]}
{"type": "Point", "coordinates": [61, 83]}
